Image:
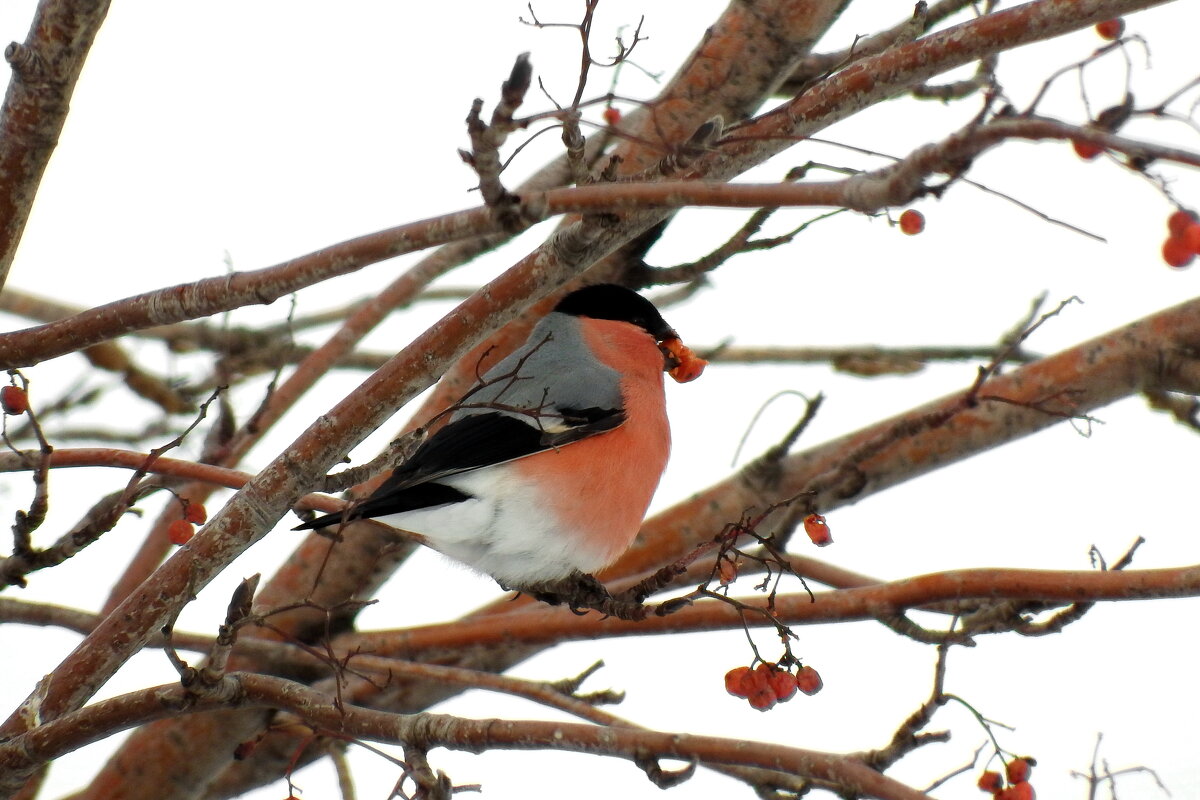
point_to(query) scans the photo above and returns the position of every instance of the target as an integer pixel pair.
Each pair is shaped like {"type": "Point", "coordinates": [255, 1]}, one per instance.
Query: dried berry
{"type": "Point", "coordinates": [817, 530]}
{"type": "Point", "coordinates": [808, 680]}
{"type": "Point", "coordinates": [739, 681]}
{"type": "Point", "coordinates": [782, 684]}
{"type": "Point", "coordinates": [195, 513]}
{"type": "Point", "coordinates": [688, 365]}
{"type": "Point", "coordinates": [180, 531]}
{"type": "Point", "coordinates": [14, 400]}
{"type": "Point", "coordinates": [763, 699]}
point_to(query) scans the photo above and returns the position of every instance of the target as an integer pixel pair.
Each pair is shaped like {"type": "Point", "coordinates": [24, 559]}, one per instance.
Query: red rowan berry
{"type": "Point", "coordinates": [808, 680]}
{"type": "Point", "coordinates": [1086, 150]}
{"type": "Point", "coordinates": [1018, 770]}
{"type": "Point", "coordinates": [991, 782]}
{"type": "Point", "coordinates": [1178, 222]}
{"type": "Point", "coordinates": [180, 531]}
{"type": "Point", "coordinates": [763, 699]}
{"type": "Point", "coordinates": [1191, 237]}
{"type": "Point", "coordinates": [912, 222]}
{"type": "Point", "coordinates": [1176, 253]}
{"type": "Point", "coordinates": [782, 684]}
{"type": "Point", "coordinates": [1111, 29]}
{"type": "Point", "coordinates": [14, 400]}
{"type": "Point", "coordinates": [195, 513]}
{"type": "Point", "coordinates": [739, 681]}
{"type": "Point", "coordinates": [817, 530]}
{"type": "Point", "coordinates": [1018, 791]}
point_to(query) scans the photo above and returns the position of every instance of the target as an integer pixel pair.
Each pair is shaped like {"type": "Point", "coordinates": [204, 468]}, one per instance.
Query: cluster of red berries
{"type": "Point", "coordinates": [181, 530]}
{"type": "Point", "coordinates": [1183, 239]}
{"type": "Point", "coordinates": [14, 400]}
{"type": "Point", "coordinates": [768, 684]}
{"type": "Point", "coordinates": [1018, 787]}
{"type": "Point", "coordinates": [817, 530]}
{"type": "Point", "coordinates": [912, 222]}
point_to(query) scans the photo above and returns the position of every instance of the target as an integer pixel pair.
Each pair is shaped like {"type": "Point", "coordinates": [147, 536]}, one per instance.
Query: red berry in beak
{"type": "Point", "coordinates": [688, 365]}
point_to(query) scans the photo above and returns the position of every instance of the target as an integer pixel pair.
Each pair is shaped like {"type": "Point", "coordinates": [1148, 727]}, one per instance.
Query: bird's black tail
{"type": "Point", "coordinates": [387, 501]}
{"type": "Point", "coordinates": [320, 522]}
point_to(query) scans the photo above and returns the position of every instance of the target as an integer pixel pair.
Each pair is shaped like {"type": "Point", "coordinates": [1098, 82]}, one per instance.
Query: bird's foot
{"type": "Point", "coordinates": [582, 592]}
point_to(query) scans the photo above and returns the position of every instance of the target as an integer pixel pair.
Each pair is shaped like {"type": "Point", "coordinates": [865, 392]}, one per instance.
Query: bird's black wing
{"type": "Point", "coordinates": [468, 443]}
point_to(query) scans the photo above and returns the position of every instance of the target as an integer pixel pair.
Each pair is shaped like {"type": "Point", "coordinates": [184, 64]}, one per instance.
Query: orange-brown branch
{"type": "Point", "coordinates": [542, 625]}
{"type": "Point", "coordinates": [244, 690]}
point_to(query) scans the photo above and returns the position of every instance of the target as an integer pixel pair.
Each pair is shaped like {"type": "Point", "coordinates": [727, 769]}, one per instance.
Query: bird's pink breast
{"type": "Point", "coordinates": [599, 488]}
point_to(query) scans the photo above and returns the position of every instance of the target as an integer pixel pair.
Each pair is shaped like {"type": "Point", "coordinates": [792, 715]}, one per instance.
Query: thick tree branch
{"type": "Point", "coordinates": [44, 71]}
{"type": "Point", "coordinates": [245, 690]}
{"type": "Point", "coordinates": [541, 625]}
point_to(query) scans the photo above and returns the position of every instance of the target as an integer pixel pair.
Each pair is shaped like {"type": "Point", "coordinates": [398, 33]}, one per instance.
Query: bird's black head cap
{"type": "Point", "coordinates": [610, 301]}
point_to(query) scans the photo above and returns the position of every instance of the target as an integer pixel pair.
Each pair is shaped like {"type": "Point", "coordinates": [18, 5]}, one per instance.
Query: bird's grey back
{"type": "Point", "coordinates": [568, 375]}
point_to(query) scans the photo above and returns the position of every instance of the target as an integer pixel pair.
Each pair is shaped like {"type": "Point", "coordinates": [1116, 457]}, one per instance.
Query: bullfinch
{"type": "Point", "coordinates": [547, 466]}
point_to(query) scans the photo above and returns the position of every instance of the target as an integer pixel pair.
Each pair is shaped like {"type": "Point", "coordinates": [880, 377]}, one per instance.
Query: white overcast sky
{"type": "Point", "coordinates": [265, 130]}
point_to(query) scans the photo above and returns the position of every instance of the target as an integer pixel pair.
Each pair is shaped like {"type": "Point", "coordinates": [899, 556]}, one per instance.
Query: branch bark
{"type": "Point", "coordinates": [44, 71]}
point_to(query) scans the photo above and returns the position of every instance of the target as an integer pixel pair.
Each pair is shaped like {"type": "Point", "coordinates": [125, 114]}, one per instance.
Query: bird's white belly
{"type": "Point", "coordinates": [512, 538]}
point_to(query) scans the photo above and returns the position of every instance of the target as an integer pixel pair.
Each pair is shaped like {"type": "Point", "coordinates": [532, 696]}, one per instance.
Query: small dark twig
{"type": "Point", "coordinates": [236, 615]}
{"type": "Point", "coordinates": [101, 518]}
{"type": "Point", "coordinates": [487, 139]}
{"type": "Point", "coordinates": [664, 778]}
{"type": "Point", "coordinates": [1097, 777]}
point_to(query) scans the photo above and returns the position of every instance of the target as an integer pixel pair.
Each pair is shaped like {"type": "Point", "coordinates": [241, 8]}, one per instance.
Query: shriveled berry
{"type": "Point", "coordinates": [1018, 769]}
{"type": "Point", "coordinates": [808, 680]}
{"type": "Point", "coordinates": [817, 530]}
{"type": "Point", "coordinates": [782, 684]}
{"type": "Point", "coordinates": [195, 513]}
{"type": "Point", "coordinates": [1111, 29]}
{"type": "Point", "coordinates": [739, 681]}
{"type": "Point", "coordinates": [688, 366]}
{"type": "Point", "coordinates": [1086, 150]}
{"type": "Point", "coordinates": [180, 531]}
{"type": "Point", "coordinates": [1178, 222]}
{"type": "Point", "coordinates": [612, 115]}
{"type": "Point", "coordinates": [14, 400]}
{"type": "Point", "coordinates": [727, 570]}
{"type": "Point", "coordinates": [1176, 253]}
{"type": "Point", "coordinates": [991, 781]}
{"type": "Point", "coordinates": [763, 699]}
{"type": "Point", "coordinates": [912, 222]}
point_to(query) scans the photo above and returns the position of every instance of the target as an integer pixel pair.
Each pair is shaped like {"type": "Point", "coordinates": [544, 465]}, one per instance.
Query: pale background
{"type": "Point", "coordinates": [267, 130]}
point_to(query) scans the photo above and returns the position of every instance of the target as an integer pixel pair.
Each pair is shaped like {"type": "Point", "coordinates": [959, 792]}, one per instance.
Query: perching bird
{"type": "Point", "coordinates": [548, 466]}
